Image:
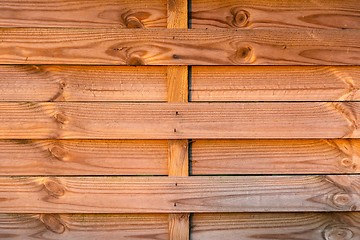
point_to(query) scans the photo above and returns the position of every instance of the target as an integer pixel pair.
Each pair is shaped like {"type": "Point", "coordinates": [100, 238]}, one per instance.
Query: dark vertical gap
{"type": "Point", "coordinates": [191, 224]}
{"type": "Point", "coordinates": [190, 141]}
{"type": "Point", "coordinates": [189, 83]}
{"type": "Point", "coordinates": [189, 2]}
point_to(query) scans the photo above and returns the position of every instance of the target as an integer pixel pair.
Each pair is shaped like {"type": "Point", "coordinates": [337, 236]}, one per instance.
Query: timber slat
{"type": "Point", "coordinates": [179, 47]}
{"type": "Point", "coordinates": [83, 14]}
{"type": "Point", "coordinates": [275, 83]}
{"type": "Point", "coordinates": [179, 194]}
{"type": "Point", "coordinates": [113, 120]}
{"type": "Point", "coordinates": [319, 14]}
{"type": "Point", "coordinates": [264, 226]}
{"type": "Point", "coordinates": [82, 83]}
{"type": "Point", "coordinates": [275, 156]}
{"type": "Point", "coordinates": [85, 157]}
{"type": "Point", "coordinates": [84, 226]}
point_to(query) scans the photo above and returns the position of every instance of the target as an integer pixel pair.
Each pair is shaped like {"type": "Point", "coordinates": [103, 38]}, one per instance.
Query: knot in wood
{"type": "Point", "coordinates": [243, 55]}
{"type": "Point", "coordinates": [58, 152]}
{"type": "Point", "coordinates": [346, 162]}
{"type": "Point", "coordinates": [54, 188]}
{"type": "Point", "coordinates": [240, 18]}
{"type": "Point", "coordinates": [133, 22]}
{"type": "Point", "coordinates": [342, 200]}
{"type": "Point", "coordinates": [53, 223]}
{"type": "Point", "coordinates": [336, 232]}
{"type": "Point", "coordinates": [135, 61]}
{"type": "Point", "coordinates": [61, 118]}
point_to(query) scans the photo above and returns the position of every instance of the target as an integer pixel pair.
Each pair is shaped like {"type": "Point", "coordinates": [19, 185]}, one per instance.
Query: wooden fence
{"type": "Point", "coordinates": [192, 145]}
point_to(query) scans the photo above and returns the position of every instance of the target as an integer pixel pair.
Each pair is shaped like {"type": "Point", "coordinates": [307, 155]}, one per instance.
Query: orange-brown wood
{"type": "Point", "coordinates": [83, 14]}
{"type": "Point", "coordinates": [83, 157]}
{"type": "Point", "coordinates": [82, 83]}
{"type": "Point", "coordinates": [180, 194]}
{"type": "Point", "coordinates": [275, 156]}
{"type": "Point", "coordinates": [301, 14]}
{"type": "Point", "coordinates": [275, 83]}
{"type": "Point", "coordinates": [84, 226]}
{"type": "Point", "coordinates": [179, 47]}
{"type": "Point", "coordinates": [179, 120]}
{"type": "Point", "coordinates": [264, 226]}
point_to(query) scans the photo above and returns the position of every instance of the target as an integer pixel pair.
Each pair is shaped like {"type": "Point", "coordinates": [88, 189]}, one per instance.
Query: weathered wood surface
{"type": "Point", "coordinates": [280, 83]}
{"type": "Point", "coordinates": [84, 226]}
{"type": "Point", "coordinates": [179, 194]}
{"type": "Point", "coordinates": [179, 47]}
{"type": "Point", "coordinates": [111, 120]}
{"type": "Point", "coordinates": [83, 14]}
{"type": "Point", "coordinates": [275, 156]}
{"type": "Point", "coordinates": [264, 226]}
{"type": "Point", "coordinates": [82, 83]}
{"type": "Point", "coordinates": [276, 14]}
{"type": "Point", "coordinates": [86, 157]}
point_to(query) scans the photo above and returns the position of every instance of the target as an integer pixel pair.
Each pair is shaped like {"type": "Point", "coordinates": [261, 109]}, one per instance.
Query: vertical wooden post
{"type": "Point", "coordinates": [177, 77]}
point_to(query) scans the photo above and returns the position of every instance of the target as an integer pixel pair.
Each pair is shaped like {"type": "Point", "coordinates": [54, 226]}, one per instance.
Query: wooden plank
{"type": "Point", "coordinates": [179, 194]}
{"type": "Point", "coordinates": [275, 156]}
{"type": "Point", "coordinates": [177, 79]}
{"type": "Point", "coordinates": [84, 226]}
{"type": "Point", "coordinates": [179, 226]}
{"type": "Point", "coordinates": [85, 157]}
{"type": "Point", "coordinates": [261, 226]}
{"type": "Point", "coordinates": [270, 83]}
{"type": "Point", "coordinates": [179, 47]}
{"type": "Point", "coordinates": [113, 120]}
{"type": "Point", "coordinates": [82, 83]}
{"type": "Point", "coordinates": [177, 14]}
{"type": "Point", "coordinates": [275, 14]}
{"type": "Point", "coordinates": [178, 158]}
{"type": "Point", "coordinates": [83, 14]}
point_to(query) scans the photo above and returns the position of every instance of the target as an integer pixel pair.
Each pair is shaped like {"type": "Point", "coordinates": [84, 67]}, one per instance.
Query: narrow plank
{"type": "Point", "coordinates": [177, 80]}
{"type": "Point", "coordinates": [179, 47]}
{"type": "Point", "coordinates": [179, 194]}
{"type": "Point", "coordinates": [320, 14]}
{"type": "Point", "coordinates": [85, 157]}
{"type": "Point", "coordinates": [83, 14]}
{"type": "Point", "coordinates": [179, 226]}
{"type": "Point", "coordinates": [113, 120]}
{"type": "Point", "coordinates": [270, 83]}
{"type": "Point", "coordinates": [84, 226]}
{"type": "Point", "coordinates": [261, 226]}
{"type": "Point", "coordinates": [178, 158]}
{"type": "Point", "coordinates": [275, 156]}
{"type": "Point", "coordinates": [82, 83]}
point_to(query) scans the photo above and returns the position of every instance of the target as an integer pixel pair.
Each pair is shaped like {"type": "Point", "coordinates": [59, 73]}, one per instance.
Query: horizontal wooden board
{"type": "Point", "coordinates": [86, 157]}
{"type": "Point", "coordinates": [84, 14]}
{"type": "Point", "coordinates": [82, 83]}
{"type": "Point", "coordinates": [270, 83]}
{"type": "Point", "coordinates": [84, 226]}
{"type": "Point", "coordinates": [179, 47]}
{"type": "Point", "coordinates": [265, 226]}
{"type": "Point", "coordinates": [179, 194]}
{"type": "Point", "coordinates": [61, 120]}
{"type": "Point", "coordinates": [276, 14]}
{"type": "Point", "coordinates": [275, 156]}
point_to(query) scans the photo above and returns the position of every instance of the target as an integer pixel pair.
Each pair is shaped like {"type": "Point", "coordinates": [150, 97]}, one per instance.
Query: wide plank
{"type": "Point", "coordinates": [265, 226]}
{"type": "Point", "coordinates": [261, 14]}
{"type": "Point", "coordinates": [83, 157]}
{"type": "Point", "coordinates": [324, 156]}
{"type": "Point", "coordinates": [179, 194]}
{"type": "Point", "coordinates": [82, 83]}
{"type": "Point", "coordinates": [179, 47]}
{"type": "Point", "coordinates": [62, 120]}
{"type": "Point", "coordinates": [280, 83]}
{"type": "Point", "coordinates": [83, 14]}
{"type": "Point", "coordinates": [84, 226]}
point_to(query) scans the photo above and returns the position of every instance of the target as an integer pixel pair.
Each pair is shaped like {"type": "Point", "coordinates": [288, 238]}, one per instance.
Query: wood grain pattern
{"type": "Point", "coordinates": [275, 156]}
{"type": "Point", "coordinates": [281, 83]}
{"type": "Point", "coordinates": [84, 226]}
{"type": "Point", "coordinates": [83, 14]}
{"type": "Point", "coordinates": [179, 226]}
{"type": "Point", "coordinates": [112, 120]}
{"type": "Point", "coordinates": [179, 194]}
{"type": "Point", "coordinates": [82, 83]}
{"type": "Point", "coordinates": [179, 47]}
{"type": "Point", "coordinates": [261, 226]}
{"type": "Point", "coordinates": [86, 157]}
{"type": "Point", "coordinates": [276, 14]}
